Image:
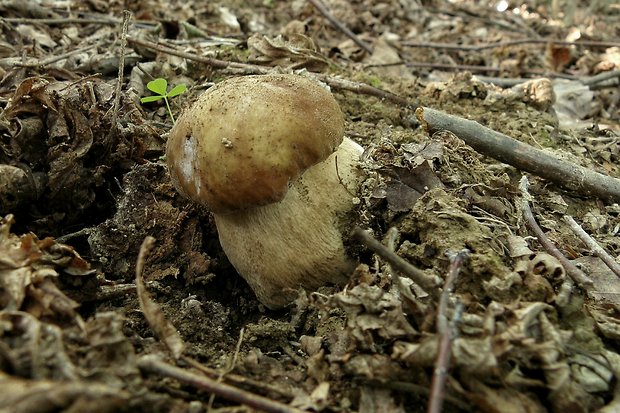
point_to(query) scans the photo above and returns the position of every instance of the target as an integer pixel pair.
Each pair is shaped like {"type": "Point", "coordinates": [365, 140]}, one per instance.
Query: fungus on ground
{"type": "Point", "coordinates": [265, 154]}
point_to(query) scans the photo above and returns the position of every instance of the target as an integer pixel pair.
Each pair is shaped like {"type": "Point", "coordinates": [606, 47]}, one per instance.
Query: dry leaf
{"type": "Point", "coordinates": [29, 268]}
{"type": "Point", "coordinates": [294, 52]}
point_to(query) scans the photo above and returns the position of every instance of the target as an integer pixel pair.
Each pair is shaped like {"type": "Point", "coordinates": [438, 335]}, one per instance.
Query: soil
{"type": "Point", "coordinates": [83, 182]}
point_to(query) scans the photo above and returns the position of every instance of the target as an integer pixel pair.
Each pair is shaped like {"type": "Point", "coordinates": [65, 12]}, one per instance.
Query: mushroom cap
{"type": "Point", "coordinates": [244, 140]}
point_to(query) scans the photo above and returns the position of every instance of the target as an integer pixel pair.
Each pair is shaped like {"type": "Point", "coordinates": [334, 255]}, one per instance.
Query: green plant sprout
{"type": "Point", "coordinates": [160, 86]}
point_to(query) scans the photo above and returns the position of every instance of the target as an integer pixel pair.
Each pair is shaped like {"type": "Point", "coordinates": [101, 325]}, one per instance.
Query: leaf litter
{"type": "Point", "coordinates": [84, 192]}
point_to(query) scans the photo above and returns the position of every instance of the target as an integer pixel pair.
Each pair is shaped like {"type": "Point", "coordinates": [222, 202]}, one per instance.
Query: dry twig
{"type": "Point", "coordinates": [337, 24]}
{"type": "Point", "coordinates": [238, 379]}
{"type": "Point", "coordinates": [580, 278]}
{"type": "Point", "coordinates": [153, 364]}
{"type": "Point", "coordinates": [214, 63]}
{"type": "Point", "coordinates": [499, 45]}
{"type": "Point", "coordinates": [447, 331]}
{"type": "Point", "coordinates": [523, 156]}
{"type": "Point", "coordinates": [40, 63]}
{"type": "Point", "coordinates": [426, 282]}
{"type": "Point", "coordinates": [230, 367]}
{"type": "Point", "coordinates": [121, 69]}
{"type": "Point", "coordinates": [593, 245]}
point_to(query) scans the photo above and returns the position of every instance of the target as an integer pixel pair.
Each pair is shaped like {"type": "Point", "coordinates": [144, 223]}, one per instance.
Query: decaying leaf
{"type": "Point", "coordinates": [62, 129]}
{"type": "Point", "coordinates": [29, 268]}
{"type": "Point", "coordinates": [34, 348]}
{"type": "Point", "coordinates": [296, 51]}
{"type": "Point", "coordinates": [372, 311]}
{"type": "Point", "coordinates": [406, 172]}
{"type": "Point", "coordinates": [317, 400]}
{"type": "Point", "coordinates": [39, 396]}
{"type": "Point", "coordinates": [378, 400]}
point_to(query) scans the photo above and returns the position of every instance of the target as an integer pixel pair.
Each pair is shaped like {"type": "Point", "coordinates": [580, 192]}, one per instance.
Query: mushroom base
{"type": "Point", "coordinates": [297, 242]}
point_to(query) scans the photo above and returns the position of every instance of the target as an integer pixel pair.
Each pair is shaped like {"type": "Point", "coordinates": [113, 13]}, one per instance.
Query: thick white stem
{"type": "Point", "coordinates": [297, 242]}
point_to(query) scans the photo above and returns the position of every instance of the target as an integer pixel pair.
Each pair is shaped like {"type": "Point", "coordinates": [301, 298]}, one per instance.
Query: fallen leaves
{"type": "Point", "coordinates": [29, 269]}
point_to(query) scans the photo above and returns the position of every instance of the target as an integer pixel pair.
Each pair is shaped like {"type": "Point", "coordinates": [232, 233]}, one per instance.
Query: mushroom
{"type": "Point", "coordinates": [266, 155]}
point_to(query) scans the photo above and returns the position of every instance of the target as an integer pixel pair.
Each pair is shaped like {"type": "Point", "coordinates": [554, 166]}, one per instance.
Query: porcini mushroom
{"type": "Point", "coordinates": [265, 154]}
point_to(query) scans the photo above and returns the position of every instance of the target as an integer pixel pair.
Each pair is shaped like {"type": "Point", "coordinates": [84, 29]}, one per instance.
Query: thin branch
{"type": "Point", "coordinates": [94, 18]}
{"type": "Point", "coordinates": [426, 282]}
{"type": "Point", "coordinates": [473, 68]}
{"type": "Point", "coordinates": [522, 156]}
{"type": "Point", "coordinates": [61, 21]}
{"type": "Point", "coordinates": [416, 389]}
{"type": "Point", "coordinates": [34, 63]}
{"type": "Point", "coordinates": [364, 89]}
{"type": "Point", "coordinates": [601, 77]}
{"type": "Point", "coordinates": [447, 331]}
{"type": "Point", "coordinates": [215, 63]}
{"type": "Point", "coordinates": [580, 278]}
{"type": "Point", "coordinates": [404, 291]}
{"type": "Point", "coordinates": [336, 83]}
{"type": "Point", "coordinates": [472, 48]}
{"type": "Point", "coordinates": [593, 245]}
{"type": "Point", "coordinates": [230, 367]}
{"type": "Point", "coordinates": [121, 68]}
{"type": "Point", "coordinates": [337, 24]}
{"type": "Point", "coordinates": [152, 364]}
{"type": "Point", "coordinates": [238, 379]}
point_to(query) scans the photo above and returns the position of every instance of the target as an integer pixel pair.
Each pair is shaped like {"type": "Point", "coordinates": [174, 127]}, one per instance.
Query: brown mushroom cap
{"type": "Point", "coordinates": [241, 143]}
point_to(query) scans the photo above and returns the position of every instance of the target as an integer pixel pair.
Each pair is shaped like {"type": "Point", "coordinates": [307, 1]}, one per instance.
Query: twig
{"type": "Point", "coordinates": [152, 364]}
{"type": "Point", "coordinates": [593, 245]}
{"type": "Point", "coordinates": [471, 48]}
{"type": "Point", "coordinates": [61, 21]}
{"type": "Point", "coordinates": [64, 238]}
{"type": "Point", "coordinates": [475, 68]}
{"type": "Point", "coordinates": [364, 89]}
{"type": "Point", "coordinates": [522, 156]}
{"type": "Point", "coordinates": [230, 368]}
{"type": "Point", "coordinates": [404, 291]}
{"type": "Point", "coordinates": [34, 63]}
{"type": "Point", "coordinates": [323, 10]}
{"type": "Point", "coordinates": [447, 331]}
{"type": "Point", "coordinates": [336, 83]}
{"type": "Point", "coordinates": [238, 379]}
{"type": "Point", "coordinates": [426, 282]}
{"type": "Point", "coordinates": [590, 81]}
{"type": "Point", "coordinates": [416, 389]}
{"type": "Point", "coordinates": [580, 278]}
{"type": "Point", "coordinates": [601, 77]}
{"type": "Point", "coordinates": [215, 63]}
{"type": "Point", "coordinates": [121, 69]}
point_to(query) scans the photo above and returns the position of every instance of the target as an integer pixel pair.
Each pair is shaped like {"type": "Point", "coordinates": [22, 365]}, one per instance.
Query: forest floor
{"type": "Point", "coordinates": [94, 319]}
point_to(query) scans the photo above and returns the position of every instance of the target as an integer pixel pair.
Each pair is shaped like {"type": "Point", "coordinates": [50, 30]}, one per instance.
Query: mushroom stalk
{"type": "Point", "coordinates": [297, 242]}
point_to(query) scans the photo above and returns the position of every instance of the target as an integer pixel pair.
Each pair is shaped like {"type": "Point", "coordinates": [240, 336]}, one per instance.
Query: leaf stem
{"type": "Point", "coordinates": [169, 110]}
